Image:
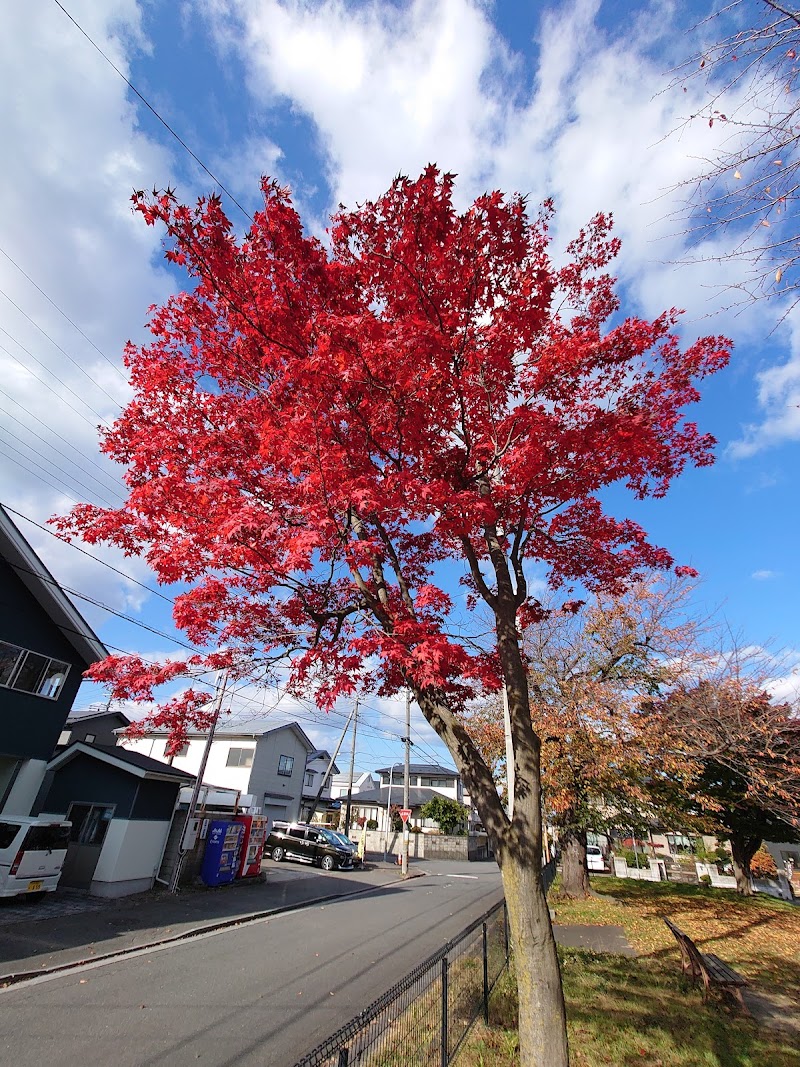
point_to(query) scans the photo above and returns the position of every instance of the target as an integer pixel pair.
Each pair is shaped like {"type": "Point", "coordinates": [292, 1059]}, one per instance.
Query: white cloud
{"type": "Point", "coordinates": [764, 575]}
{"type": "Point", "coordinates": [778, 395]}
{"type": "Point", "coordinates": [74, 153]}
{"type": "Point", "coordinates": [390, 88]}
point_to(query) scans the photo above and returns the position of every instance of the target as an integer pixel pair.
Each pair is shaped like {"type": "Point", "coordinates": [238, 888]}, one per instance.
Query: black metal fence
{"type": "Point", "coordinates": [423, 1019]}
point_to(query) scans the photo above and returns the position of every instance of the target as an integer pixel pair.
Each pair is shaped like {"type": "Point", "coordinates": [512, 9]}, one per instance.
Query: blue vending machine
{"type": "Point", "coordinates": [221, 857]}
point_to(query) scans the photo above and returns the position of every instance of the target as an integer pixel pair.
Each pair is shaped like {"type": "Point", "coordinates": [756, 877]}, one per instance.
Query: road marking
{"type": "Point", "coordinates": [459, 876]}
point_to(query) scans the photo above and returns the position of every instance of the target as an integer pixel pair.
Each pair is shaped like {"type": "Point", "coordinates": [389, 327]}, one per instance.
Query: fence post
{"type": "Point", "coordinates": [444, 1057]}
{"type": "Point", "coordinates": [485, 976]}
{"type": "Point", "coordinates": [344, 1056]}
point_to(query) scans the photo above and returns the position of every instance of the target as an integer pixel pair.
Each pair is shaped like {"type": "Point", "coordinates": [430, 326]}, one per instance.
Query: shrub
{"type": "Point", "coordinates": [762, 865]}
{"type": "Point", "coordinates": [449, 814]}
{"type": "Point", "coordinates": [415, 830]}
{"type": "Point", "coordinates": [372, 824]}
{"type": "Point", "coordinates": [633, 859]}
{"type": "Point", "coordinates": [705, 879]}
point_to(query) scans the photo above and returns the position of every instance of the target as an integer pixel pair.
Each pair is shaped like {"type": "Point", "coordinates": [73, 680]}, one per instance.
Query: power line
{"type": "Point", "coordinates": [48, 444]}
{"type": "Point", "coordinates": [52, 464]}
{"type": "Point", "coordinates": [47, 385]}
{"type": "Point", "coordinates": [150, 107]}
{"type": "Point", "coordinates": [63, 314]}
{"type": "Point", "coordinates": [60, 437]}
{"type": "Point", "coordinates": [105, 607]}
{"type": "Point", "coordinates": [58, 488]}
{"type": "Point", "coordinates": [116, 570]}
{"type": "Point", "coordinates": [63, 351]}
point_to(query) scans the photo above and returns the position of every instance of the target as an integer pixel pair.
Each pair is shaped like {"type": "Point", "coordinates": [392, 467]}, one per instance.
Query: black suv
{"type": "Point", "coordinates": [309, 844]}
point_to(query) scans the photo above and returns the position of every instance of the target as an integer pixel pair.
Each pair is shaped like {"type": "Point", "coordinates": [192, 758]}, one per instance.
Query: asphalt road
{"type": "Point", "coordinates": [263, 994]}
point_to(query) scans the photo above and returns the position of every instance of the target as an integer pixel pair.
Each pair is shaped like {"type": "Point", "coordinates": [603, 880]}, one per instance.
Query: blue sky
{"type": "Point", "coordinates": [566, 100]}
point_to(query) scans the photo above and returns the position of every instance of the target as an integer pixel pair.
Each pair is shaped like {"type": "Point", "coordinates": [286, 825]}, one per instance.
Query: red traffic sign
{"type": "Point", "coordinates": [405, 814]}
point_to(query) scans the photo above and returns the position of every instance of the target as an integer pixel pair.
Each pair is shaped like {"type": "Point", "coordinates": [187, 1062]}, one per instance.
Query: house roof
{"type": "Point", "coordinates": [417, 796]}
{"type": "Point", "coordinates": [50, 596]}
{"type": "Point", "coordinates": [322, 754]}
{"type": "Point", "coordinates": [124, 759]}
{"type": "Point", "coordinates": [251, 730]}
{"type": "Point", "coordinates": [96, 711]}
{"type": "Point", "coordinates": [430, 770]}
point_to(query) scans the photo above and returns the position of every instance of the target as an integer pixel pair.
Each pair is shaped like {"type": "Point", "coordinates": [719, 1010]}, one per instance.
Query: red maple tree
{"type": "Point", "coordinates": [318, 433]}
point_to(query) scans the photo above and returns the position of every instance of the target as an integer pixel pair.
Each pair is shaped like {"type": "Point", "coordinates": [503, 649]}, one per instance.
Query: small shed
{"type": "Point", "coordinates": [120, 804]}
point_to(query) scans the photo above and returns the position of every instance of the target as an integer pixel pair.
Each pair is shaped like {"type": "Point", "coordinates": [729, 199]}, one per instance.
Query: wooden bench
{"type": "Point", "coordinates": [707, 966]}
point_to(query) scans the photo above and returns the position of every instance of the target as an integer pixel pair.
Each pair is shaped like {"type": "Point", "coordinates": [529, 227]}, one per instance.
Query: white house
{"type": "Point", "coordinates": [340, 783]}
{"type": "Point", "coordinates": [259, 759]}
{"type": "Point", "coordinates": [426, 780]}
{"type": "Point", "coordinates": [444, 780]}
{"type": "Point", "coordinates": [317, 764]}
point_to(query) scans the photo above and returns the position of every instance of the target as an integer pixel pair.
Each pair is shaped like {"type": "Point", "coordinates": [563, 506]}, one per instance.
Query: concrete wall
{"type": "Point", "coordinates": [426, 846]}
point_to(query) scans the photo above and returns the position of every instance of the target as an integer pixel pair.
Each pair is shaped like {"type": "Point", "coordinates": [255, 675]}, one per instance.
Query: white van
{"type": "Point", "coordinates": [32, 853]}
{"type": "Point", "coordinates": [594, 858]}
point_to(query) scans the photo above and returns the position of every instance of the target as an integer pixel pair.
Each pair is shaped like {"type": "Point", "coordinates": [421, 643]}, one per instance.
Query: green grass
{"type": "Point", "coordinates": [624, 1011]}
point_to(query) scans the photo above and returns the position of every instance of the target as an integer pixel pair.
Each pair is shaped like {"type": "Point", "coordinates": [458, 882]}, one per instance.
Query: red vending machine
{"type": "Point", "coordinates": [255, 833]}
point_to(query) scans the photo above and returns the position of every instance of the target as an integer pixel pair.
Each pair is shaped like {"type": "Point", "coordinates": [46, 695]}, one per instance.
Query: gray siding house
{"type": "Point", "coordinates": [260, 765]}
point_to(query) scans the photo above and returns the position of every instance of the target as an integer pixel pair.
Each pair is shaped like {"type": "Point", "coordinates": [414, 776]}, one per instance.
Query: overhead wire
{"type": "Point", "coordinates": [47, 444]}
{"type": "Point", "coordinates": [41, 477]}
{"type": "Point", "coordinates": [60, 437]}
{"type": "Point", "coordinates": [150, 108]}
{"type": "Point", "coordinates": [105, 607]}
{"type": "Point", "coordinates": [83, 551]}
{"type": "Point", "coordinates": [47, 385]}
{"type": "Point", "coordinates": [63, 351]}
{"type": "Point", "coordinates": [73, 324]}
{"type": "Point", "coordinates": [53, 465]}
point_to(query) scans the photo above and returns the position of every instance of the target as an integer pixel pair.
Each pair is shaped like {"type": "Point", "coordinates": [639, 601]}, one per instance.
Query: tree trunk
{"type": "Point", "coordinates": [743, 848]}
{"type": "Point", "coordinates": [542, 1017]}
{"type": "Point", "coordinates": [574, 869]}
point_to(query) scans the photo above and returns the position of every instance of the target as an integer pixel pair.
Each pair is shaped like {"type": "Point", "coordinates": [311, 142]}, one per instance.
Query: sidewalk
{"type": "Point", "coordinates": [76, 929]}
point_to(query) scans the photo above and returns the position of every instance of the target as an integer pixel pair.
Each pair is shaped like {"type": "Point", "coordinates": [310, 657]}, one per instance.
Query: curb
{"type": "Point", "coordinates": [18, 977]}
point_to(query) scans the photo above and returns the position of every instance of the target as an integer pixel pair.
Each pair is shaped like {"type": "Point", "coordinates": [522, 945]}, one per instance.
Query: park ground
{"type": "Point", "coordinates": [625, 1010]}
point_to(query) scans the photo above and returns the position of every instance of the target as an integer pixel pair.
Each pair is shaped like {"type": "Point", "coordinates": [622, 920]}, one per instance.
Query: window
{"type": "Point", "coordinates": [183, 751]}
{"type": "Point", "coordinates": [310, 779]}
{"type": "Point", "coordinates": [89, 823]}
{"type": "Point", "coordinates": [30, 672]}
{"type": "Point", "coordinates": [298, 832]}
{"type": "Point", "coordinates": [46, 838]}
{"type": "Point", "coordinates": [8, 831]}
{"type": "Point", "coordinates": [90, 738]}
{"type": "Point", "coordinates": [64, 736]}
{"type": "Point", "coordinates": [240, 757]}
{"type": "Point", "coordinates": [285, 764]}
{"type": "Point", "coordinates": [438, 783]}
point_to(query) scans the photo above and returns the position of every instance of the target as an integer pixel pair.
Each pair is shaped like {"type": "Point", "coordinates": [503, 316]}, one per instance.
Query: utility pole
{"type": "Point", "coordinates": [222, 681]}
{"type": "Point", "coordinates": [315, 805]}
{"type": "Point", "coordinates": [406, 779]}
{"type": "Point", "coordinates": [509, 754]}
{"type": "Point", "coordinates": [352, 768]}
{"type": "Point", "coordinates": [388, 815]}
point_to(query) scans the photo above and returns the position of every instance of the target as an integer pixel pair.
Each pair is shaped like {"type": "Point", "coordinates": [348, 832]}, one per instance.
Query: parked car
{"type": "Point", "coordinates": [594, 858]}
{"type": "Point", "coordinates": [348, 844]}
{"type": "Point", "coordinates": [32, 854]}
{"type": "Point", "coordinates": [308, 844]}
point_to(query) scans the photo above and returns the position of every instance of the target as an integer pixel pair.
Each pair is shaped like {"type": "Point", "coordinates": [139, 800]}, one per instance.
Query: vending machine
{"type": "Point", "coordinates": [252, 852]}
{"type": "Point", "coordinates": [223, 849]}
